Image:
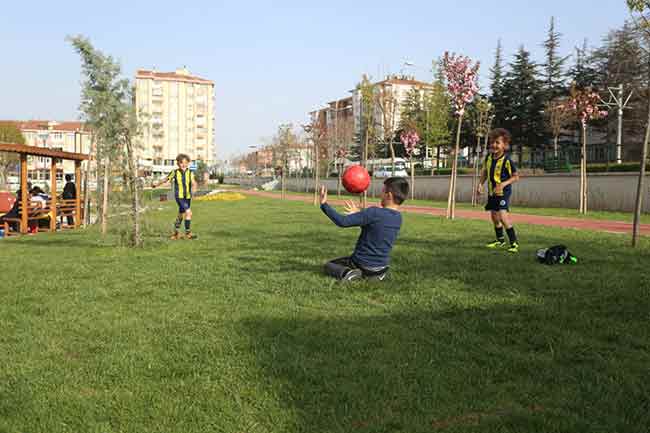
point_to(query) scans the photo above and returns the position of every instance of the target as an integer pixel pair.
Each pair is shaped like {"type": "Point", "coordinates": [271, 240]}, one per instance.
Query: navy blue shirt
{"type": "Point", "coordinates": [379, 230]}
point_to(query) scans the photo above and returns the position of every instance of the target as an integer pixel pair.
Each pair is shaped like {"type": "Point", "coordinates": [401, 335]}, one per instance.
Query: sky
{"type": "Point", "coordinates": [272, 62]}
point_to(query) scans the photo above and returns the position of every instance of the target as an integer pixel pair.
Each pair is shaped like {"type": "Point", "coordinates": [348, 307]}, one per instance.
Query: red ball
{"type": "Point", "coordinates": [356, 179]}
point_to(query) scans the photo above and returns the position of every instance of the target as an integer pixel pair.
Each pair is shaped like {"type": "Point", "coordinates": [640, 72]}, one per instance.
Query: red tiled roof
{"type": "Point", "coordinates": [404, 81]}
{"type": "Point", "coordinates": [41, 125]}
{"type": "Point", "coordinates": [171, 76]}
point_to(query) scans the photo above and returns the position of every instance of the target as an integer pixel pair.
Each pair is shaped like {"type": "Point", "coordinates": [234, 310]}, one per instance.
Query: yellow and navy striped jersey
{"type": "Point", "coordinates": [499, 170]}
{"type": "Point", "coordinates": [181, 182]}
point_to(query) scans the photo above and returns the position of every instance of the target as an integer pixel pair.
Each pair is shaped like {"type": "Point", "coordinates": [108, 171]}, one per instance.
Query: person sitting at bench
{"type": "Point", "coordinates": [14, 212]}
{"type": "Point", "coordinates": [379, 229]}
{"type": "Point", "coordinates": [38, 196]}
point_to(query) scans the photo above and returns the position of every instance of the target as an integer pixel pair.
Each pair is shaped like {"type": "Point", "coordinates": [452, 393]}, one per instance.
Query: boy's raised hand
{"type": "Point", "coordinates": [351, 207]}
{"type": "Point", "coordinates": [323, 194]}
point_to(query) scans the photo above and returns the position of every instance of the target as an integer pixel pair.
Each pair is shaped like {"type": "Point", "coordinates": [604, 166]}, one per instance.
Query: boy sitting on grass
{"type": "Point", "coordinates": [379, 229]}
{"type": "Point", "coordinates": [183, 182]}
{"type": "Point", "coordinates": [500, 173]}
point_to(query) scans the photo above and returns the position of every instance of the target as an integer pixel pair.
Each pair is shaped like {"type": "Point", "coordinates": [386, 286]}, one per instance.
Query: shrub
{"type": "Point", "coordinates": [625, 167]}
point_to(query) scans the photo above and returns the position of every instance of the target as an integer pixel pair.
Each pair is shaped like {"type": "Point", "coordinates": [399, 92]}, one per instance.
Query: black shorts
{"type": "Point", "coordinates": [183, 204]}
{"type": "Point", "coordinates": [498, 202]}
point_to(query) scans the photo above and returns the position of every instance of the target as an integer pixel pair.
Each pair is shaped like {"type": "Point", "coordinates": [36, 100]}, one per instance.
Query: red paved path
{"type": "Point", "coordinates": [571, 223]}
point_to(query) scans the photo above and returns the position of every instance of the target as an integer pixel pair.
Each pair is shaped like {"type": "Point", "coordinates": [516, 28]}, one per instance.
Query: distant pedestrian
{"type": "Point", "coordinates": [69, 193]}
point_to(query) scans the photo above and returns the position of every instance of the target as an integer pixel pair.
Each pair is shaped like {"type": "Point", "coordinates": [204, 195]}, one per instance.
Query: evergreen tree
{"type": "Point", "coordinates": [585, 71]}
{"type": "Point", "coordinates": [496, 86]}
{"type": "Point", "coordinates": [553, 70]}
{"type": "Point", "coordinates": [524, 103]}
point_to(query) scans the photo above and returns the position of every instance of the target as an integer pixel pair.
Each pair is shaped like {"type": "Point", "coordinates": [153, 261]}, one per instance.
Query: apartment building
{"type": "Point", "coordinates": [68, 136]}
{"type": "Point", "coordinates": [342, 118]}
{"type": "Point", "coordinates": [176, 110]}
{"type": "Point", "coordinates": [390, 95]}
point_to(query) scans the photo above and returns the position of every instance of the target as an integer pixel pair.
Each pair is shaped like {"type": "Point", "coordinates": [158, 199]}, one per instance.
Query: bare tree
{"type": "Point", "coordinates": [559, 116]}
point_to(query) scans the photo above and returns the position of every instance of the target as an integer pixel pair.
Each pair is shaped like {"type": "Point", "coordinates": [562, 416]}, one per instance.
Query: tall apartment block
{"type": "Point", "coordinates": [176, 110]}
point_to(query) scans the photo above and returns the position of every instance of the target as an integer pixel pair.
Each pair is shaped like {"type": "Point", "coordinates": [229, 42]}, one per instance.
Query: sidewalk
{"type": "Point", "coordinates": [568, 223]}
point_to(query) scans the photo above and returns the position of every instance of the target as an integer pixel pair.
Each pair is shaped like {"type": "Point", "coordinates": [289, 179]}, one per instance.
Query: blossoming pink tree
{"type": "Point", "coordinates": [462, 83]}
{"type": "Point", "coordinates": [584, 104]}
{"type": "Point", "coordinates": [410, 140]}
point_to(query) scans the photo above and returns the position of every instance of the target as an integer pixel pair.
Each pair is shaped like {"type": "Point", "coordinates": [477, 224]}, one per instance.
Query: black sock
{"type": "Point", "coordinates": [177, 223]}
{"type": "Point", "coordinates": [499, 232]}
{"type": "Point", "coordinates": [512, 235]}
{"type": "Point", "coordinates": [187, 225]}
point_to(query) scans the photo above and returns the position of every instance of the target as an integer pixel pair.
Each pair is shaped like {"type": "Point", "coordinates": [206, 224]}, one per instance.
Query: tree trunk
{"type": "Point", "coordinates": [338, 184]}
{"type": "Point", "coordinates": [412, 179]}
{"type": "Point", "coordinates": [475, 175]}
{"type": "Point", "coordinates": [132, 175]}
{"type": "Point", "coordinates": [282, 174]}
{"type": "Point", "coordinates": [583, 173]}
{"type": "Point", "coordinates": [451, 201]}
{"type": "Point", "coordinates": [364, 196]}
{"type": "Point", "coordinates": [392, 158]}
{"type": "Point", "coordinates": [640, 191]}
{"type": "Point", "coordinates": [86, 195]}
{"type": "Point", "coordinates": [316, 177]}
{"type": "Point", "coordinates": [107, 173]}
{"type": "Point", "coordinates": [555, 146]}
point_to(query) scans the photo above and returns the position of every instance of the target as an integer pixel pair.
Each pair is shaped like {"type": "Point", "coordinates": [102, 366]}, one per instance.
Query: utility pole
{"type": "Point", "coordinates": [617, 101]}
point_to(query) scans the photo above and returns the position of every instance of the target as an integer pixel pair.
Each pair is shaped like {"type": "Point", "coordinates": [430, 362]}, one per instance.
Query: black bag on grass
{"type": "Point", "coordinates": [559, 254]}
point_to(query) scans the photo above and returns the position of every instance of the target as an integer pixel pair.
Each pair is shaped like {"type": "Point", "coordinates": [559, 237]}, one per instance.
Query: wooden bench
{"type": "Point", "coordinates": [67, 208]}
{"type": "Point", "coordinates": [36, 213]}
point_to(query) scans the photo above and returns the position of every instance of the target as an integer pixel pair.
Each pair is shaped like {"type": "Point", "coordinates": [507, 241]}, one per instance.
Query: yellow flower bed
{"type": "Point", "coordinates": [222, 196]}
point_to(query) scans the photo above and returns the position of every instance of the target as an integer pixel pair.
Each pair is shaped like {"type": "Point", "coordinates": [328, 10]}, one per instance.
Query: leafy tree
{"type": "Point", "coordinates": [522, 94]}
{"type": "Point", "coordinates": [107, 106]}
{"type": "Point", "coordinates": [368, 124]}
{"type": "Point", "coordinates": [388, 105]}
{"type": "Point", "coordinates": [480, 116]}
{"type": "Point", "coordinates": [9, 133]}
{"type": "Point", "coordinates": [202, 170]}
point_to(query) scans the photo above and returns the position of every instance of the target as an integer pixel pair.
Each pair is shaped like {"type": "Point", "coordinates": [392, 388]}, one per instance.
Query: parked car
{"type": "Point", "coordinates": [387, 171]}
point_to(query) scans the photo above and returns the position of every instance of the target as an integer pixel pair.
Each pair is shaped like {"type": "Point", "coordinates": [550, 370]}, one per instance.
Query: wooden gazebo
{"type": "Point", "coordinates": [54, 155]}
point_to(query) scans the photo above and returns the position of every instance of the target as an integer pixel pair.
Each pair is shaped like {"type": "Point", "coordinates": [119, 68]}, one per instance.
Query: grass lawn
{"type": "Point", "coordinates": [238, 331]}
{"type": "Point", "coordinates": [549, 211]}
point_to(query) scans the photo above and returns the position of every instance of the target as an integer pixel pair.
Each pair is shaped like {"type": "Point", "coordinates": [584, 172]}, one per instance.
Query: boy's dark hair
{"type": "Point", "coordinates": [182, 157]}
{"type": "Point", "coordinates": [36, 190]}
{"type": "Point", "coordinates": [497, 133]}
{"type": "Point", "coordinates": [399, 187]}
{"type": "Point", "coordinates": [68, 178]}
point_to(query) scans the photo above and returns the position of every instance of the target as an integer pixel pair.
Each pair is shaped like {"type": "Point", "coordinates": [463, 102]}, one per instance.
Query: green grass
{"type": "Point", "coordinates": [239, 331]}
{"type": "Point", "coordinates": [555, 212]}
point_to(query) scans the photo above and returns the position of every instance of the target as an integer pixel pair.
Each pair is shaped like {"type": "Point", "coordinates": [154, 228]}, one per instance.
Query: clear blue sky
{"type": "Point", "coordinates": [272, 62]}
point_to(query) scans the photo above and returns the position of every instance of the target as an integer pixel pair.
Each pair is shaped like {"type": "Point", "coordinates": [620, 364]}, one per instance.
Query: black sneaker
{"type": "Point", "coordinates": [352, 275]}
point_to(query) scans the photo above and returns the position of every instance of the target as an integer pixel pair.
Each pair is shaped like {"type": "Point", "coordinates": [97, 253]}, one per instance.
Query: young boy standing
{"type": "Point", "coordinates": [183, 183]}
{"type": "Point", "coordinates": [500, 173]}
{"type": "Point", "coordinates": [379, 230]}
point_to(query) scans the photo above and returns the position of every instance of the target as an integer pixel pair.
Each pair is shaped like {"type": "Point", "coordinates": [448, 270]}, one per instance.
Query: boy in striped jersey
{"type": "Point", "coordinates": [183, 183]}
{"type": "Point", "coordinates": [500, 173]}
